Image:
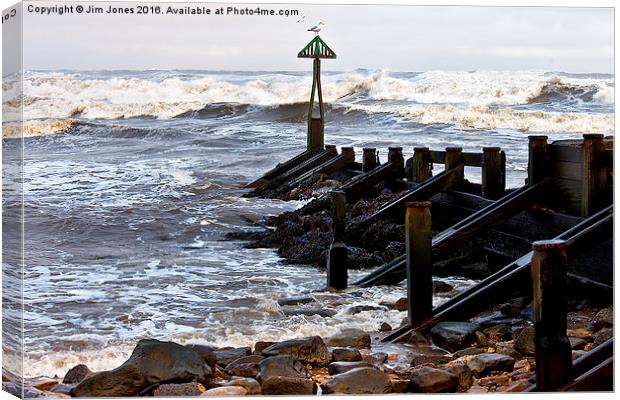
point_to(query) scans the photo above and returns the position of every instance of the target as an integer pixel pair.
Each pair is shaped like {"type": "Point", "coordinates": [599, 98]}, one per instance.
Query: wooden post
{"type": "Point", "coordinates": [493, 185]}
{"type": "Point", "coordinates": [337, 276]}
{"type": "Point", "coordinates": [369, 159]}
{"type": "Point", "coordinates": [317, 136]}
{"type": "Point", "coordinates": [421, 164]}
{"type": "Point", "coordinates": [454, 157]}
{"type": "Point", "coordinates": [418, 240]}
{"type": "Point", "coordinates": [395, 156]}
{"type": "Point", "coordinates": [553, 350]}
{"type": "Point", "coordinates": [593, 173]}
{"type": "Point", "coordinates": [538, 159]}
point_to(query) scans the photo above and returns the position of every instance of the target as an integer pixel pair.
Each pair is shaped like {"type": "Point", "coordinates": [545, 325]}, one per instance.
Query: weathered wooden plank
{"type": "Point", "coordinates": [471, 159]}
{"type": "Point", "coordinates": [424, 191]}
{"type": "Point", "coordinates": [463, 231]}
{"type": "Point", "coordinates": [355, 187]}
{"type": "Point", "coordinates": [566, 170]}
{"type": "Point", "coordinates": [282, 168]}
{"type": "Point", "coordinates": [599, 378]}
{"type": "Point", "coordinates": [594, 173]}
{"type": "Point", "coordinates": [418, 241]}
{"type": "Point", "coordinates": [560, 151]}
{"type": "Point", "coordinates": [500, 285]}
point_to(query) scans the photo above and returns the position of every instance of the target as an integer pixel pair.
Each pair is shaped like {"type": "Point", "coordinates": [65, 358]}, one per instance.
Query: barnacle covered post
{"type": "Point", "coordinates": [316, 50]}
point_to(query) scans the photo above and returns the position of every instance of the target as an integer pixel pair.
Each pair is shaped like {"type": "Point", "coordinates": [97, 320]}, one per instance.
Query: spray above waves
{"type": "Point", "coordinates": [479, 100]}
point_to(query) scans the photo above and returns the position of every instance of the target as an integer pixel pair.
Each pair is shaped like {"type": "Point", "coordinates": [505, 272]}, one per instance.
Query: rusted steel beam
{"type": "Point", "coordinates": [515, 276]}
{"type": "Point", "coordinates": [282, 168]}
{"type": "Point", "coordinates": [422, 192]}
{"type": "Point", "coordinates": [461, 232]}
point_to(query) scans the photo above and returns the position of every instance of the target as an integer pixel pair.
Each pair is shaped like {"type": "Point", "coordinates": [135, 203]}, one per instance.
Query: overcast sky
{"type": "Point", "coordinates": [399, 38]}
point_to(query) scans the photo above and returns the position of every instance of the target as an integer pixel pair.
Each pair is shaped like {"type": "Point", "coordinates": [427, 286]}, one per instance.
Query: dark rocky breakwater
{"type": "Point", "coordinates": [492, 352]}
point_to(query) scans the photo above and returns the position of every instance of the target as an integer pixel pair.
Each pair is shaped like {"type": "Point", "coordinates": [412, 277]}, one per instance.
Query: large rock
{"type": "Point", "coordinates": [454, 336]}
{"type": "Point", "coordinates": [226, 355]}
{"type": "Point", "coordinates": [340, 367]}
{"type": "Point", "coordinates": [499, 332]}
{"type": "Point", "coordinates": [346, 354]}
{"type": "Point", "coordinates": [206, 352]}
{"type": "Point", "coordinates": [77, 374]}
{"type": "Point", "coordinates": [524, 341]}
{"type": "Point", "coordinates": [310, 350]}
{"type": "Point", "coordinates": [260, 346]}
{"type": "Point", "coordinates": [484, 364]}
{"type": "Point", "coordinates": [466, 377]}
{"type": "Point", "coordinates": [285, 385]}
{"type": "Point", "coordinates": [281, 366]}
{"type": "Point", "coordinates": [349, 338]}
{"type": "Point", "coordinates": [604, 318]}
{"type": "Point", "coordinates": [246, 367]}
{"type": "Point", "coordinates": [433, 380]}
{"type": "Point", "coordinates": [251, 385]}
{"type": "Point", "coordinates": [179, 390]}
{"type": "Point", "coordinates": [308, 311]}
{"type": "Point", "coordinates": [359, 381]}
{"type": "Point", "coordinates": [429, 355]}
{"type": "Point", "coordinates": [603, 335]}
{"type": "Point", "coordinates": [225, 391]}
{"type": "Point", "coordinates": [150, 363]}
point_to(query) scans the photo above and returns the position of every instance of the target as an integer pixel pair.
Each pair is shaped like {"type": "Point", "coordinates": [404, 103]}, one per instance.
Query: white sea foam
{"type": "Point", "coordinates": [63, 95]}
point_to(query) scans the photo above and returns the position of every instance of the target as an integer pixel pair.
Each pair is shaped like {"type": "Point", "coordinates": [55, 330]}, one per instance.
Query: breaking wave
{"type": "Point", "coordinates": [482, 99]}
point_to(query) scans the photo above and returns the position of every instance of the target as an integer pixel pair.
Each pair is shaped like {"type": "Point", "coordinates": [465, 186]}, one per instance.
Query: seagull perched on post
{"type": "Point", "coordinates": [316, 28]}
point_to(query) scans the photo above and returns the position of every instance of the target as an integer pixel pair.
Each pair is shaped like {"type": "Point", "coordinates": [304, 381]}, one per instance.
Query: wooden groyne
{"type": "Point", "coordinates": [565, 204]}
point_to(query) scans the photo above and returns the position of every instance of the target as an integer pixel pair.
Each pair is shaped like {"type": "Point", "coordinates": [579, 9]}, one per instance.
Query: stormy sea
{"type": "Point", "coordinates": [133, 178]}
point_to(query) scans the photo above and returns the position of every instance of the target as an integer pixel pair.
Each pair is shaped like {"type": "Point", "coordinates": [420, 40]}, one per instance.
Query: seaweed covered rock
{"type": "Point", "coordinates": [310, 350]}
{"type": "Point", "coordinates": [151, 362]}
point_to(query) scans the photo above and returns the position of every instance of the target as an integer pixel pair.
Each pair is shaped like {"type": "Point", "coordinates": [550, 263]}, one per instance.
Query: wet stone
{"type": "Point", "coordinates": [364, 307]}
{"type": "Point", "coordinates": [310, 350]}
{"type": "Point", "coordinates": [470, 351]}
{"type": "Point", "coordinates": [346, 354]}
{"type": "Point", "coordinates": [45, 384]}
{"type": "Point", "coordinates": [460, 369]}
{"type": "Point", "coordinates": [340, 367]}
{"type": "Point", "coordinates": [349, 338]}
{"type": "Point", "coordinates": [385, 327]}
{"type": "Point", "coordinates": [151, 362]}
{"type": "Point", "coordinates": [247, 370]}
{"type": "Point", "coordinates": [492, 319]}
{"type": "Point", "coordinates": [179, 389]}
{"type": "Point", "coordinates": [524, 341]}
{"type": "Point", "coordinates": [499, 332]}
{"type": "Point", "coordinates": [295, 301]}
{"type": "Point", "coordinates": [77, 374]}
{"type": "Point", "coordinates": [249, 384]}
{"type": "Point", "coordinates": [399, 305]}
{"type": "Point", "coordinates": [454, 336]}
{"type": "Point", "coordinates": [206, 352]}
{"type": "Point", "coordinates": [433, 380]}
{"type": "Point", "coordinates": [63, 388]}
{"type": "Point", "coordinates": [225, 391]}
{"type": "Point", "coordinates": [603, 335]}
{"type": "Point", "coordinates": [604, 318]}
{"type": "Point", "coordinates": [284, 365]}
{"type": "Point", "coordinates": [308, 311]}
{"type": "Point", "coordinates": [442, 287]}
{"type": "Point", "coordinates": [226, 355]}
{"type": "Point", "coordinates": [284, 385]}
{"type": "Point", "coordinates": [484, 364]}
{"type": "Point", "coordinates": [16, 389]}
{"type": "Point", "coordinates": [576, 343]}
{"type": "Point", "coordinates": [359, 381]}
{"type": "Point", "coordinates": [260, 346]}
{"type": "Point", "coordinates": [375, 359]}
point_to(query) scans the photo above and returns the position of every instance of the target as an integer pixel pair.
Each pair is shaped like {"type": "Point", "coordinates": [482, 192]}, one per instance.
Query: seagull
{"type": "Point", "coordinates": [316, 28]}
